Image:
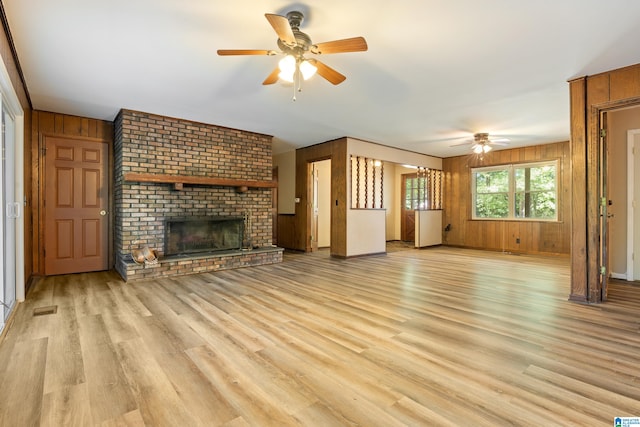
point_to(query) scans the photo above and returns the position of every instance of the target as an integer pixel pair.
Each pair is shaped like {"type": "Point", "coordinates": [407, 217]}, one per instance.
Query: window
{"type": "Point", "coordinates": [526, 191]}
{"type": "Point", "coordinates": [424, 190]}
{"type": "Point", "coordinates": [415, 194]}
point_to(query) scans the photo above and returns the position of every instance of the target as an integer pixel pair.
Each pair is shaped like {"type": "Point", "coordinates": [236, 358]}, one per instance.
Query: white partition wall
{"type": "Point", "coordinates": [428, 228]}
{"type": "Point", "coordinates": [366, 232]}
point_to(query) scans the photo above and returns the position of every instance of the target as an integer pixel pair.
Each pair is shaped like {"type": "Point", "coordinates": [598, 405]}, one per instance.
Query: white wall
{"type": "Point", "coordinates": [358, 147]}
{"type": "Point", "coordinates": [286, 164]}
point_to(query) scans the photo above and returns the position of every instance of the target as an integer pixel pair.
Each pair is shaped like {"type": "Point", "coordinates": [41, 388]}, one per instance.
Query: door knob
{"type": "Point", "coordinates": [103, 212]}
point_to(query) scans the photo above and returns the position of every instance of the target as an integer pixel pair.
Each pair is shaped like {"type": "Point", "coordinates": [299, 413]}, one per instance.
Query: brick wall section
{"type": "Point", "coordinates": [205, 264]}
{"type": "Point", "coordinates": [153, 144]}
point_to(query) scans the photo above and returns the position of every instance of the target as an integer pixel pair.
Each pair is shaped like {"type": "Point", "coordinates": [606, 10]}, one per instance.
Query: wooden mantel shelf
{"type": "Point", "coordinates": [179, 180]}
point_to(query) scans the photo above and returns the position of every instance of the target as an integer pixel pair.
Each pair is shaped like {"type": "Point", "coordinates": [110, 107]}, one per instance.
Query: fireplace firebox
{"type": "Point", "coordinates": [201, 235]}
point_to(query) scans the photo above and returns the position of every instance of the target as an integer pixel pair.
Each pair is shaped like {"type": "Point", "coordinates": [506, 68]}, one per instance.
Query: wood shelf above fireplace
{"type": "Point", "coordinates": [179, 180]}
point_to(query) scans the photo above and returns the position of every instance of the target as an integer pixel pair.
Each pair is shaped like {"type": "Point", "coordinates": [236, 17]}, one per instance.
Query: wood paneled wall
{"type": "Point", "coordinates": [45, 124]}
{"type": "Point", "coordinates": [300, 222]}
{"type": "Point", "coordinates": [287, 231]}
{"type": "Point", "coordinates": [590, 97]}
{"type": "Point", "coordinates": [535, 237]}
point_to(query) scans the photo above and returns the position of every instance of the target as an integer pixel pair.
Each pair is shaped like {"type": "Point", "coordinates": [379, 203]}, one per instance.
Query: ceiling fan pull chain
{"type": "Point", "coordinates": [294, 88]}
{"type": "Point", "coordinates": [297, 81]}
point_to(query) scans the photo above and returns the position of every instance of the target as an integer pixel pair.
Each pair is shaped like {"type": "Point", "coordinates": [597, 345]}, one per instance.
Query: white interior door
{"type": "Point", "coordinates": [633, 199]}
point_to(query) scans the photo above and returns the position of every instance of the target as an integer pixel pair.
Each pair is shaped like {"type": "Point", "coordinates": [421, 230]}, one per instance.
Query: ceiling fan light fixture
{"type": "Point", "coordinates": [307, 69]}
{"type": "Point", "coordinates": [286, 77]}
{"type": "Point", "coordinates": [287, 67]}
{"type": "Point", "coordinates": [481, 148]}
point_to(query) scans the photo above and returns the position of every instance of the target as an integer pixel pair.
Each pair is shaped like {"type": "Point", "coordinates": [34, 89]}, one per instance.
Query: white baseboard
{"type": "Point", "coordinates": [618, 276]}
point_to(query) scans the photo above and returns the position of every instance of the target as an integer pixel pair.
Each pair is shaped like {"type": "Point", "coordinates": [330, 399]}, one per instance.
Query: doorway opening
{"type": "Point", "coordinates": [321, 205]}
{"type": "Point", "coordinates": [411, 197]}
{"type": "Point", "coordinates": [621, 249]}
{"type": "Point", "coordinates": [633, 209]}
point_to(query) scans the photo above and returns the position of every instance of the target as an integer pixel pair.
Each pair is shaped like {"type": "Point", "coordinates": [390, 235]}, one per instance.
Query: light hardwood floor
{"type": "Point", "coordinates": [439, 337]}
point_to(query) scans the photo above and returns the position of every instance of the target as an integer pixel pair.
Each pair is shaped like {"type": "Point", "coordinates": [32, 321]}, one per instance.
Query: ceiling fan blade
{"type": "Point", "coordinates": [272, 78]}
{"type": "Point", "coordinates": [225, 52]}
{"type": "Point", "coordinates": [331, 75]}
{"type": "Point", "coordinates": [281, 25]}
{"type": "Point", "coordinates": [354, 44]}
{"type": "Point", "coordinates": [501, 143]}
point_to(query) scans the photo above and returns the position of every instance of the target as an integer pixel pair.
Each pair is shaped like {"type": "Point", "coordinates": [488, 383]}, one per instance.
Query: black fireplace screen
{"type": "Point", "coordinates": [210, 234]}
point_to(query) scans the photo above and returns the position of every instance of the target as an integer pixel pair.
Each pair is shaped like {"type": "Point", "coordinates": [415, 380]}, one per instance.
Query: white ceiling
{"type": "Point", "coordinates": [435, 73]}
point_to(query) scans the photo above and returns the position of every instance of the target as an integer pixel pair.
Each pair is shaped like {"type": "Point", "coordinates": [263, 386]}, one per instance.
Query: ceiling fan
{"type": "Point", "coordinates": [481, 143]}
{"type": "Point", "coordinates": [294, 45]}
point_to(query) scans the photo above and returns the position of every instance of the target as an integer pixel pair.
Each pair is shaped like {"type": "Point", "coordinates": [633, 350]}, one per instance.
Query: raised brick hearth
{"type": "Point", "coordinates": [152, 145]}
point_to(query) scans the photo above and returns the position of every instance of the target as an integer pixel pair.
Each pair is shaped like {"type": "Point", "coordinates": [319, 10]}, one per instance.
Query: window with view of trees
{"type": "Point", "coordinates": [527, 191]}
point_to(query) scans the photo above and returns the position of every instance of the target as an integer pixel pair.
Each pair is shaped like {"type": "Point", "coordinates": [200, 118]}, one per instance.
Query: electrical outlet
{"type": "Point", "coordinates": [518, 240]}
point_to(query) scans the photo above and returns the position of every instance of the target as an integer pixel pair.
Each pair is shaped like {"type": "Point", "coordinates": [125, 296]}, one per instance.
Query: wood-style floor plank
{"type": "Point", "coordinates": [110, 395]}
{"type": "Point", "coordinates": [67, 406]}
{"type": "Point", "coordinates": [441, 336]}
{"type": "Point", "coordinates": [21, 389]}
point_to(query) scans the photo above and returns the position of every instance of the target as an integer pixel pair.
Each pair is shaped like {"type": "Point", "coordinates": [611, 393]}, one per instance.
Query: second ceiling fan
{"type": "Point", "coordinates": [294, 45]}
{"type": "Point", "coordinates": [482, 143]}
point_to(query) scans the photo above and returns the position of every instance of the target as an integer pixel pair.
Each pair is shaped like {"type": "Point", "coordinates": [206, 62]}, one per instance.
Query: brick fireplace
{"type": "Point", "coordinates": [173, 169]}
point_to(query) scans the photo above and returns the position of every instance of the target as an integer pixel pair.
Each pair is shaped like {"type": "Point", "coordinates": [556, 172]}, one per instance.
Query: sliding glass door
{"type": "Point", "coordinates": [11, 212]}
{"type": "Point", "coordinates": [12, 264]}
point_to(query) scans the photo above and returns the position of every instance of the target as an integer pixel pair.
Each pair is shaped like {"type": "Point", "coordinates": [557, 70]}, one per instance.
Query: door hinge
{"type": "Point", "coordinates": [603, 270]}
{"type": "Point", "coordinates": [603, 133]}
{"type": "Point", "coordinates": [603, 201]}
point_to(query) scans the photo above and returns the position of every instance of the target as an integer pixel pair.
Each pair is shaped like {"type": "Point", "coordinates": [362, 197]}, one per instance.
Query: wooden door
{"type": "Point", "coordinates": [76, 202]}
{"type": "Point", "coordinates": [408, 215]}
